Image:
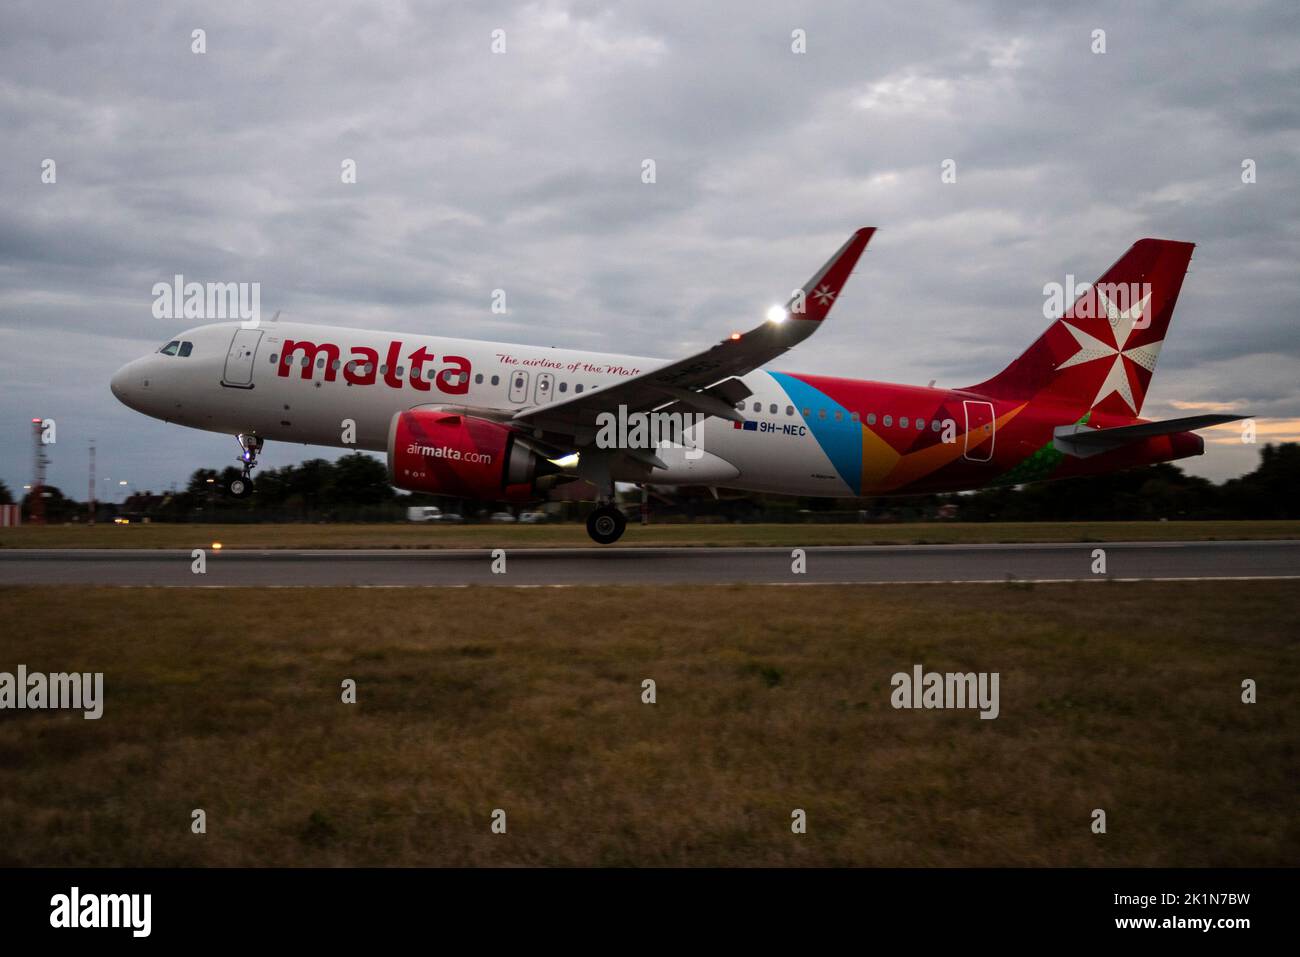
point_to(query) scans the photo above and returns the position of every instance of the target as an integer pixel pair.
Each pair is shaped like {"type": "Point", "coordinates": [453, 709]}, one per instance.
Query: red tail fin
{"type": "Point", "coordinates": [1102, 353]}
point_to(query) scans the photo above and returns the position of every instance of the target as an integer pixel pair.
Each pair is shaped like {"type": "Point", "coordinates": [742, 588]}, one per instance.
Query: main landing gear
{"type": "Point", "coordinates": [606, 524]}
{"type": "Point", "coordinates": [249, 446]}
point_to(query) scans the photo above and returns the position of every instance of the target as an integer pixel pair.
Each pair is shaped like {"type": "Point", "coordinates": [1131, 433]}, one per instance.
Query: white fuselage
{"type": "Point", "coordinates": [353, 382]}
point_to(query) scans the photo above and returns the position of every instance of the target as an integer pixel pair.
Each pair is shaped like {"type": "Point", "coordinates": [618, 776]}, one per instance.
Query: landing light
{"type": "Point", "coordinates": [777, 314]}
{"type": "Point", "coordinates": [216, 546]}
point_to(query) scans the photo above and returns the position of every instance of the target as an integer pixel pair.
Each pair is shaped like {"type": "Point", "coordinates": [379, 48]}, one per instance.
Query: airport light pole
{"type": "Point", "coordinates": [91, 486]}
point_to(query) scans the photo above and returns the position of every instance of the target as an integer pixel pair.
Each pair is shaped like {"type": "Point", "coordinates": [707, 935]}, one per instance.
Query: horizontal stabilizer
{"type": "Point", "coordinates": [1081, 441]}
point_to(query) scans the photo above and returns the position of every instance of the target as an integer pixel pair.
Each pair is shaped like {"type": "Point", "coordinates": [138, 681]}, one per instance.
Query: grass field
{"type": "Point", "coordinates": [1118, 696]}
{"type": "Point", "coordinates": [542, 536]}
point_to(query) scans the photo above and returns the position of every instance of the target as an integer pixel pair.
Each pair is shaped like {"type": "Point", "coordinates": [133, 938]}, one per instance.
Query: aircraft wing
{"type": "Point", "coordinates": [1083, 442]}
{"type": "Point", "coordinates": [706, 382]}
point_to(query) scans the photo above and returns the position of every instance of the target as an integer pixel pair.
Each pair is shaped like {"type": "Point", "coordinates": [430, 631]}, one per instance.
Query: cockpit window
{"type": "Point", "coordinates": [186, 348]}
{"type": "Point", "coordinates": [170, 348]}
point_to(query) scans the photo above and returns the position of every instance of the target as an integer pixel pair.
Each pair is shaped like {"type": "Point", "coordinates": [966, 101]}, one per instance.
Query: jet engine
{"type": "Point", "coordinates": [449, 453]}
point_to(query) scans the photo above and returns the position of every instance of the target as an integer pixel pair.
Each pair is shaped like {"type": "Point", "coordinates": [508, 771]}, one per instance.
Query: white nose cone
{"type": "Point", "coordinates": [118, 384]}
{"type": "Point", "coordinates": [126, 384]}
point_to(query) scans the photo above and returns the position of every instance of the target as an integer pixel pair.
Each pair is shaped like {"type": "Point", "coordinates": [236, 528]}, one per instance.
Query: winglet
{"type": "Point", "coordinates": [813, 302]}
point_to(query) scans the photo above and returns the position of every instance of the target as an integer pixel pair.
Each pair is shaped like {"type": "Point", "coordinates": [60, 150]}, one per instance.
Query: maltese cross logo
{"type": "Point", "coordinates": [1092, 349]}
{"type": "Point", "coordinates": [823, 294]}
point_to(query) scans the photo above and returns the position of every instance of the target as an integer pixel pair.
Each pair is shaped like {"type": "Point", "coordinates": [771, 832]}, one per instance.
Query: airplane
{"type": "Point", "coordinates": [498, 422]}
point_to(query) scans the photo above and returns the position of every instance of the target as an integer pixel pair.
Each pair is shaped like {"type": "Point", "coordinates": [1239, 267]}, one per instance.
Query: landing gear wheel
{"type": "Point", "coordinates": [606, 524]}
{"type": "Point", "coordinates": [249, 446]}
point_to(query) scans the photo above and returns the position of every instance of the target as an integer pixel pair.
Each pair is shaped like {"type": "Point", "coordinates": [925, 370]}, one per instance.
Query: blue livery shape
{"type": "Point", "coordinates": [841, 441]}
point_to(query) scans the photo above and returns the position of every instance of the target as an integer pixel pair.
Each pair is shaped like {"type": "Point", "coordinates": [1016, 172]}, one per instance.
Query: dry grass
{"type": "Point", "coordinates": [538, 536]}
{"type": "Point", "coordinates": [1119, 696]}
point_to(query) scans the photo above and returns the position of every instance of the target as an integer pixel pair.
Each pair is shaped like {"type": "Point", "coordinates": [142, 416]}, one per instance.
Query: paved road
{"type": "Point", "coordinates": [655, 566]}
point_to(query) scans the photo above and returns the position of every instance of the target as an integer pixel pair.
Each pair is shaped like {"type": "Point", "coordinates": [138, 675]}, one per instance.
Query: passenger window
{"type": "Point", "coordinates": [789, 410]}
{"type": "Point", "coordinates": [821, 413]}
{"type": "Point", "coordinates": [758, 406]}
{"type": "Point", "coordinates": [274, 356]}
{"type": "Point", "coordinates": [902, 421]}
{"type": "Point", "coordinates": [854, 417]}
{"type": "Point", "coordinates": [871, 418]}
{"type": "Point", "coordinates": [889, 420]}
{"type": "Point", "coordinates": [807, 412]}
{"type": "Point", "coordinates": [920, 425]}
{"type": "Point", "coordinates": [564, 387]}
{"type": "Point", "coordinates": [496, 380]}
{"type": "Point", "coordinates": [839, 416]}
{"type": "Point", "coordinates": [383, 369]}
{"type": "Point", "coordinates": [186, 349]}
{"type": "Point", "coordinates": [170, 348]}
{"type": "Point", "coordinates": [335, 365]}
{"type": "Point", "coordinates": [478, 379]}
{"type": "Point", "coordinates": [320, 363]}
{"type": "Point", "coordinates": [772, 408]}
{"type": "Point", "coordinates": [430, 374]}
{"type": "Point", "coordinates": [306, 361]}
{"type": "Point", "coordinates": [578, 387]}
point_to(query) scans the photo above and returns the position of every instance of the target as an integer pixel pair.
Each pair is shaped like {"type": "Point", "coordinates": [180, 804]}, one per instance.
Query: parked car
{"type": "Point", "coordinates": [501, 517]}
{"type": "Point", "coordinates": [532, 518]}
{"type": "Point", "coordinates": [430, 513]}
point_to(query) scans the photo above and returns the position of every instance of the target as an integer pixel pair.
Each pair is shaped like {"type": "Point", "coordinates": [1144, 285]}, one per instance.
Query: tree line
{"type": "Point", "coordinates": [355, 487]}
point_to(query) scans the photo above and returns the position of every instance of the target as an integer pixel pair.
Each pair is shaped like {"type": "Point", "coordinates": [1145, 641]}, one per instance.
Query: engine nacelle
{"type": "Point", "coordinates": [448, 453]}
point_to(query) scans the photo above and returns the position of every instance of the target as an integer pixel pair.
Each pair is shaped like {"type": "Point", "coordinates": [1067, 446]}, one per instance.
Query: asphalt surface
{"type": "Point", "coordinates": [654, 566]}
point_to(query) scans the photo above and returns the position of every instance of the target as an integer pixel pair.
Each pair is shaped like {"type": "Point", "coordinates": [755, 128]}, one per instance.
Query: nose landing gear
{"type": "Point", "coordinates": [249, 446]}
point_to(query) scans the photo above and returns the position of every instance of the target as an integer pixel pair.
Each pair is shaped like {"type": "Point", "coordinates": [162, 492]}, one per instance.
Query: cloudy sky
{"type": "Point", "coordinates": [522, 171]}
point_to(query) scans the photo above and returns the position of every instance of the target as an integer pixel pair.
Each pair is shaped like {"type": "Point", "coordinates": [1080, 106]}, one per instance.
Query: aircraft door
{"type": "Point", "coordinates": [979, 431]}
{"type": "Point", "coordinates": [519, 387]}
{"type": "Point", "coordinates": [542, 395]}
{"type": "Point", "coordinates": [239, 359]}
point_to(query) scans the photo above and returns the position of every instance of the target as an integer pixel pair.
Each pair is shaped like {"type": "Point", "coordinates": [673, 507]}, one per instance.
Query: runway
{"type": "Point", "coordinates": [540, 567]}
